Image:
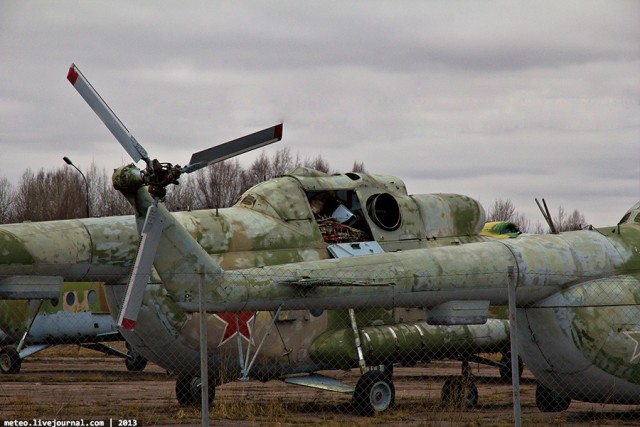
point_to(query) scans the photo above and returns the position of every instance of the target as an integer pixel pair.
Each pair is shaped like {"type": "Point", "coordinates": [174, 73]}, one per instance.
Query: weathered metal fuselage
{"type": "Point", "coordinates": [545, 270]}
{"type": "Point", "coordinates": [272, 224]}
{"type": "Point", "coordinates": [270, 251]}
{"type": "Point", "coordinates": [578, 294]}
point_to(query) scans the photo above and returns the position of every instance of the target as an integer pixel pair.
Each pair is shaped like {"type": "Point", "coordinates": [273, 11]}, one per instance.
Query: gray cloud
{"type": "Point", "coordinates": [491, 99]}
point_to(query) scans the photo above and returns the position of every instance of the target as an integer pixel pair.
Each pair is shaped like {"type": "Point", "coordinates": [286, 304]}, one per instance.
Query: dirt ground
{"type": "Point", "coordinates": [80, 385]}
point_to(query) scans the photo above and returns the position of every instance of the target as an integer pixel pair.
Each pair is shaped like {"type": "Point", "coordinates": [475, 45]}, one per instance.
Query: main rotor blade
{"type": "Point", "coordinates": [233, 148]}
{"type": "Point", "coordinates": [141, 272]}
{"type": "Point", "coordinates": [97, 104]}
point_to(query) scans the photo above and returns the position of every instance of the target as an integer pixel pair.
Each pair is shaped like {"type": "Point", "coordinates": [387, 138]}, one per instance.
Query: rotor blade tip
{"type": "Point", "coordinates": [278, 132]}
{"type": "Point", "coordinates": [128, 324]}
{"type": "Point", "coordinates": [72, 76]}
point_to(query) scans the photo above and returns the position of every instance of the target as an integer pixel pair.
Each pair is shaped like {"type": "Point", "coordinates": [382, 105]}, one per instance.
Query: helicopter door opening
{"type": "Point", "coordinates": [340, 216]}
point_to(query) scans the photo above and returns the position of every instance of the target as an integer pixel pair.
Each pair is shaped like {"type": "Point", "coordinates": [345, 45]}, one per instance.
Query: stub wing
{"type": "Point", "coordinates": [30, 287]}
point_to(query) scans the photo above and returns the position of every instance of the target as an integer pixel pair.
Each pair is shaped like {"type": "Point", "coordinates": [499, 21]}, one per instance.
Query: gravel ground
{"type": "Point", "coordinates": [87, 387]}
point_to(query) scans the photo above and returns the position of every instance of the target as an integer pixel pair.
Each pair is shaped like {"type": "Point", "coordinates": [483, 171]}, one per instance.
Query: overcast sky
{"type": "Point", "coordinates": [490, 99]}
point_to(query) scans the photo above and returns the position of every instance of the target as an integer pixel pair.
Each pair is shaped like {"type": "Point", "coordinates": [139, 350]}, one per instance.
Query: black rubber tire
{"type": "Point", "coordinates": [135, 362]}
{"type": "Point", "coordinates": [188, 391]}
{"type": "Point", "coordinates": [374, 393]}
{"type": "Point", "coordinates": [10, 361]}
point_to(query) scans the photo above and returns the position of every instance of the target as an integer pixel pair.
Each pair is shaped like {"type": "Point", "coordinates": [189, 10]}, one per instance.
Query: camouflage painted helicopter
{"type": "Point", "coordinates": [577, 292]}
{"type": "Point", "coordinates": [251, 260]}
{"type": "Point", "coordinates": [105, 248]}
{"type": "Point", "coordinates": [581, 285]}
{"type": "Point", "coordinates": [76, 314]}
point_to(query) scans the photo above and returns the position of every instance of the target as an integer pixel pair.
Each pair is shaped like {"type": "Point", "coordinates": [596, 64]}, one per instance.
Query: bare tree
{"type": "Point", "coordinates": [219, 185]}
{"type": "Point", "coordinates": [57, 194]}
{"type": "Point", "coordinates": [60, 194]}
{"type": "Point", "coordinates": [182, 197]}
{"type": "Point", "coordinates": [260, 170]}
{"type": "Point", "coordinates": [264, 167]}
{"type": "Point", "coordinates": [501, 210]}
{"type": "Point", "coordinates": [283, 162]}
{"type": "Point", "coordinates": [571, 222]}
{"type": "Point", "coordinates": [6, 196]}
{"type": "Point", "coordinates": [537, 228]}
{"type": "Point", "coordinates": [358, 167]}
{"type": "Point", "coordinates": [104, 199]}
{"type": "Point", "coordinates": [318, 163]}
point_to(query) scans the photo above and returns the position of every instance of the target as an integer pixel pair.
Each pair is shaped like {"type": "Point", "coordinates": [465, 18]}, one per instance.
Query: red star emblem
{"type": "Point", "coordinates": [232, 327]}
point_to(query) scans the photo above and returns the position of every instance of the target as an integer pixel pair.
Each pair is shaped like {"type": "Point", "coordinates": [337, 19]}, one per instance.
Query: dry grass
{"type": "Point", "coordinates": [77, 383]}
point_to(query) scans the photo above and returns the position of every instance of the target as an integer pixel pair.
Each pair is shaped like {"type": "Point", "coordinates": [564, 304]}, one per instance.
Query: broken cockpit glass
{"type": "Point", "coordinates": [339, 216]}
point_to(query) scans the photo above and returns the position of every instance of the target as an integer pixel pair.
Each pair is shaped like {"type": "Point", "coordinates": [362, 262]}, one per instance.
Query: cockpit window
{"type": "Point", "coordinates": [339, 216]}
{"type": "Point", "coordinates": [624, 218]}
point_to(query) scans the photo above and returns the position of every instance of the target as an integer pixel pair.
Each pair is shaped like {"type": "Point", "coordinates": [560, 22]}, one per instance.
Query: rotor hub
{"type": "Point", "coordinates": [159, 175]}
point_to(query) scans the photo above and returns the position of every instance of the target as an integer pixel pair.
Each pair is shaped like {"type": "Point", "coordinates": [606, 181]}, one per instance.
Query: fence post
{"type": "Point", "coordinates": [204, 363]}
{"type": "Point", "coordinates": [515, 355]}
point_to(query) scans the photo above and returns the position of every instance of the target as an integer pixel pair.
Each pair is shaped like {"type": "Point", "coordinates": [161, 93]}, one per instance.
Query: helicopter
{"type": "Point", "coordinates": [103, 249]}
{"type": "Point", "coordinates": [77, 313]}
{"type": "Point", "coordinates": [559, 279]}
{"type": "Point", "coordinates": [575, 291]}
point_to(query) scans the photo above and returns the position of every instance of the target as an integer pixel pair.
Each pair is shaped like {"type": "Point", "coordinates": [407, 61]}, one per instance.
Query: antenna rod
{"type": "Point", "coordinates": [551, 224]}
{"type": "Point", "coordinates": [547, 216]}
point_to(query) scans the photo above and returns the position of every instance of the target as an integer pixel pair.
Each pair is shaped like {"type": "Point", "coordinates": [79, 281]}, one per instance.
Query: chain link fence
{"type": "Point", "coordinates": [321, 365]}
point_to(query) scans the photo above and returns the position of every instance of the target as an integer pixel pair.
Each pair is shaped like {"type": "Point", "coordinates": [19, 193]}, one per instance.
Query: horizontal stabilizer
{"type": "Point", "coordinates": [30, 287]}
{"type": "Point", "coordinates": [321, 382]}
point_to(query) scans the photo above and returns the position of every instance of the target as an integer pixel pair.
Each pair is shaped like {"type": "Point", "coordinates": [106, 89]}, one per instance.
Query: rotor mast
{"type": "Point", "coordinates": [156, 176]}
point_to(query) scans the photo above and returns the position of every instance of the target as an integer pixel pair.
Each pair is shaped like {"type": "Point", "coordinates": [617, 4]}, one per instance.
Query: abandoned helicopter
{"type": "Point", "coordinates": [335, 232]}
{"type": "Point", "coordinates": [577, 294]}
{"type": "Point", "coordinates": [76, 314]}
{"type": "Point", "coordinates": [576, 291]}
{"type": "Point", "coordinates": [104, 249]}
{"type": "Point", "coordinates": [577, 285]}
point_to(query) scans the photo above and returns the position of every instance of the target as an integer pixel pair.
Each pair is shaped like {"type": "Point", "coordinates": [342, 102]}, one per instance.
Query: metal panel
{"type": "Point", "coordinates": [344, 250]}
{"type": "Point", "coordinates": [30, 287]}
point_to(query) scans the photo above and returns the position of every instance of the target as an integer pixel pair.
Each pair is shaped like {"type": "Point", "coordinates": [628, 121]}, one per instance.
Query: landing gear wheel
{"type": "Point", "coordinates": [183, 391]}
{"type": "Point", "coordinates": [10, 362]}
{"type": "Point", "coordinates": [505, 367]}
{"type": "Point", "coordinates": [188, 390]}
{"type": "Point", "coordinates": [135, 362]}
{"type": "Point", "coordinates": [459, 392]}
{"type": "Point", "coordinates": [374, 393]}
{"type": "Point", "coordinates": [548, 401]}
